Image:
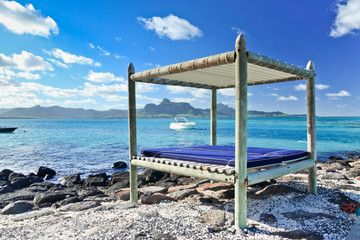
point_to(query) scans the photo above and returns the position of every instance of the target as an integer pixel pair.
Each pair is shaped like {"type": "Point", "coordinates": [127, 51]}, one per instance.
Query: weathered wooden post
{"type": "Point", "coordinates": [213, 117]}
{"type": "Point", "coordinates": [311, 127]}
{"type": "Point", "coordinates": [132, 134]}
{"type": "Point", "coordinates": [240, 132]}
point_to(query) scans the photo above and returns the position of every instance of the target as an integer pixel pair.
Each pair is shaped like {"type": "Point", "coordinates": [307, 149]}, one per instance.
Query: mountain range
{"type": "Point", "coordinates": [165, 109]}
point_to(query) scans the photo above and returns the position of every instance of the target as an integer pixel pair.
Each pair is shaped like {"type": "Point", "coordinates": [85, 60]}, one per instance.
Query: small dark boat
{"type": "Point", "coordinates": [7, 129]}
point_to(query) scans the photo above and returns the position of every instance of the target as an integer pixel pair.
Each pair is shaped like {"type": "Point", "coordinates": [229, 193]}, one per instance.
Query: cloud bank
{"type": "Point", "coordinates": [347, 20]}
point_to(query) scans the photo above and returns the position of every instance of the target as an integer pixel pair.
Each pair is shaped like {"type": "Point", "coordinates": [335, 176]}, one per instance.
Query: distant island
{"type": "Point", "coordinates": [166, 109]}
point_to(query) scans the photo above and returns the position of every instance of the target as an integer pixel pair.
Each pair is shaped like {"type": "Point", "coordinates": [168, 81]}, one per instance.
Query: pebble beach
{"type": "Point", "coordinates": [174, 207]}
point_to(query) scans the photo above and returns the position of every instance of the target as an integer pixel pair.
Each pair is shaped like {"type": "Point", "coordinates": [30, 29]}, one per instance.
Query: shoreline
{"type": "Point", "coordinates": [174, 207]}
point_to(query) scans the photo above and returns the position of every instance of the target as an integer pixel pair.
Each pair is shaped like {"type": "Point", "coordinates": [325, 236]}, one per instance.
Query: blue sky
{"type": "Point", "coordinates": [75, 53]}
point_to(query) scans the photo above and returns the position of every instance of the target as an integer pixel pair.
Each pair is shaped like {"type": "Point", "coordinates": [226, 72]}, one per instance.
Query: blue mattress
{"type": "Point", "coordinates": [225, 155]}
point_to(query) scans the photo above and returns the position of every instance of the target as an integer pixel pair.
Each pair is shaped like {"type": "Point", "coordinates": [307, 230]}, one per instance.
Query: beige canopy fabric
{"type": "Point", "coordinates": [218, 71]}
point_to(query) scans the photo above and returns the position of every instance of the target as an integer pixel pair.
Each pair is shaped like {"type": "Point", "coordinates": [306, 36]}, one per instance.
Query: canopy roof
{"type": "Point", "coordinates": [218, 71]}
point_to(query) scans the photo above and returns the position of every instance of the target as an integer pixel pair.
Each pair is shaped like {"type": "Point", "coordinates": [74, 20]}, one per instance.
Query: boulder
{"type": "Point", "coordinates": [155, 198]}
{"type": "Point", "coordinates": [215, 186]}
{"type": "Point", "coordinates": [72, 179]}
{"type": "Point", "coordinates": [5, 189]}
{"type": "Point", "coordinates": [198, 198]}
{"type": "Point", "coordinates": [51, 197]}
{"type": "Point", "coordinates": [96, 180]}
{"type": "Point", "coordinates": [120, 177]}
{"type": "Point", "coordinates": [119, 164]}
{"type": "Point", "coordinates": [151, 190]}
{"type": "Point", "coordinates": [23, 182]}
{"type": "Point", "coordinates": [152, 175]}
{"type": "Point", "coordinates": [14, 175]}
{"type": "Point", "coordinates": [4, 174]}
{"type": "Point", "coordinates": [43, 171]}
{"type": "Point", "coordinates": [268, 218]}
{"type": "Point", "coordinates": [123, 195]}
{"type": "Point", "coordinates": [19, 195]}
{"type": "Point", "coordinates": [353, 173]}
{"type": "Point", "coordinates": [87, 192]}
{"type": "Point", "coordinates": [17, 207]}
{"type": "Point", "coordinates": [179, 195]}
{"type": "Point", "coordinates": [225, 194]}
{"type": "Point", "coordinates": [69, 200]}
{"type": "Point", "coordinates": [119, 185]}
{"type": "Point", "coordinates": [182, 187]}
{"type": "Point", "coordinates": [218, 218]}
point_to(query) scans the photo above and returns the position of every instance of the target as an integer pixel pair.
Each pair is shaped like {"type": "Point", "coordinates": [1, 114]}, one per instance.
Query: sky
{"type": "Point", "coordinates": [75, 53]}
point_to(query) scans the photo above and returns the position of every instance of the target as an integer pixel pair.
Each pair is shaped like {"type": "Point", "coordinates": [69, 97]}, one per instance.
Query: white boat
{"type": "Point", "coordinates": [182, 123]}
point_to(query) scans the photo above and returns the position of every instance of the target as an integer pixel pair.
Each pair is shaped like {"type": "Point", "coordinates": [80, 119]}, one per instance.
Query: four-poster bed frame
{"type": "Point", "coordinates": [238, 69]}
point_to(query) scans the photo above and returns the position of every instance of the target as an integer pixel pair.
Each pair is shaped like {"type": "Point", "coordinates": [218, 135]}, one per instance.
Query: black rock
{"type": "Point", "coordinates": [43, 171]}
{"type": "Point", "coordinates": [4, 183]}
{"type": "Point", "coordinates": [72, 179]}
{"type": "Point", "coordinates": [119, 185]}
{"type": "Point", "coordinates": [5, 189]}
{"type": "Point", "coordinates": [119, 164]}
{"type": "Point", "coordinates": [152, 175]}
{"type": "Point", "coordinates": [23, 182]}
{"type": "Point", "coordinates": [19, 195]}
{"type": "Point", "coordinates": [89, 192]}
{"type": "Point", "coordinates": [69, 200]}
{"type": "Point", "coordinates": [119, 177]}
{"type": "Point", "coordinates": [52, 197]}
{"type": "Point", "coordinates": [15, 175]}
{"type": "Point", "coordinates": [17, 207]}
{"type": "Point", "coordinates": [299, 234]}
{"type": "Point", "coordinates": [4, 174]}
{"type": "Point", "coordinates": [96, 180]}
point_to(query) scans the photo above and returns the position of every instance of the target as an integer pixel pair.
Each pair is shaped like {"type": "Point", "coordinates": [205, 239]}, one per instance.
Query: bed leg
{"type": "Point", "coordinates": [312, 188]}
{"type": "Point", "coordinates": [133, 184]}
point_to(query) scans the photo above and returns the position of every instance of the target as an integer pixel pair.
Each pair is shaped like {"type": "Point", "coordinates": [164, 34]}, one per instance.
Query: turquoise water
{"type": "Point", "coordinates": [85, 146]}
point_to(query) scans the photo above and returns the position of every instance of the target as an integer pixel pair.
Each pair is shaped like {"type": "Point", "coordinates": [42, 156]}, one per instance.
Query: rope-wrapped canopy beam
{"type": "Point", "coordinates": [216, 72]}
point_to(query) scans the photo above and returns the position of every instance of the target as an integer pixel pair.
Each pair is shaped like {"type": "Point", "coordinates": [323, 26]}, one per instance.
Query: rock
{"type": "Point", "coordinates": [225, 194]}
{"type": "Point", "coordinates": [182, 187]}
{"type": "Point", "coordinates": [43, 171]}
{"type": "Point", "coordinates": [122, 177]}
{"type": "Point", "coordinates": [333, 167]}
{"type": "Point", "coordinates": [48, 177]}
{"type": "Point", "coordinates": [14, 175]}
{"type": "Point", "coordinates": [155, 198]}
{"type": "Point", "coordinates": [268, 218]}
{"type": "Point", "coordinates": [119, 164]}
{"type": "Point", "coordinates": [123, 194]}
{"type": "Point", "coordinates": [202, 199]}
{"type": "Point", "coordinates": [5, 189]}
{"type": "Point", "coordinates": [33, 214]}
{"type": "Point", "coordinates": [96, 180]}
{"type": "Point", "coordinates": [183, 180]}
{"type": "Point", "coordinates": [51, 197]}
{"type": "Point", "coordinates": [301, 215]}
{"type": "Point", "coordinates": [215, 186]}
{"type": "Point", "coordinates": [353, 173]}
{"type": "Point", "coordinates": [4, 174]}
{"type": "Point", "coordinates": [355, 163]}
{"type": "Point", "coordinates": [69, 200]}
{"type": "Point", "coordinates": [72, 179]}
{"type": "Point", "coordinates": [333, 158]}
{"type": "Point", "coordinates": [151, 190]}
{"type": "Point", "coordinates": [17, 207]}
{"type": "Point", "coordinates": [179, 195]}
{"type": "Point", "coordinates": [79, 206]}
{"type": "Point", "coordinates": [19, 195]}
{"type": "Point", "coordinates": [218, 218]}
{"type": "Point", "coordinates": [272, 190]}
{"type": "Point", "coordinates": [119, 185]}
{"type": "Point", "coordinates": [299, 234]}
{"type": "Point", "coordinates": [152, 175]}
{"type": "Point", "coordinates": [87, 192]}
{"type": "Point", "coordinates": [23, 182]}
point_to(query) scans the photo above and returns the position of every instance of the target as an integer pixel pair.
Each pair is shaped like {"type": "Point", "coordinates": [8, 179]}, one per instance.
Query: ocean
{"type": "Point", "coordinates": [92, 145]}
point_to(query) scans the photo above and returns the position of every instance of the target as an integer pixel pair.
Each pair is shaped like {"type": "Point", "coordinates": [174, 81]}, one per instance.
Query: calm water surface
{"type": "Point", "coordinates": [85, 146]}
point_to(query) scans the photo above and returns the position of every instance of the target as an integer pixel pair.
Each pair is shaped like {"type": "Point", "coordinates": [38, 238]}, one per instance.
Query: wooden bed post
{"type": "Point", "coordinates": [132, 134]}
{"type": "Point", "coordinates": [240, 132]}
{"type": "Point", "coordinates": [213, 117]}
{"type": "Point", "coordinates": [311, 126]}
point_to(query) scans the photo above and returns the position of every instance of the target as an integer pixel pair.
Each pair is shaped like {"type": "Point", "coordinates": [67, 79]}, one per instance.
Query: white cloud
{"type": "Point", "coordinates": [118, 56]}
{"type": "Point", "coordinates": [118, 39]}
{"type": "Point", "coordinates": [152, 48]}
{"type": "Point", "coordinates": [238, 30]}
{"type": "Point", "coordinates": [273, 94]}
{"type": "Point", "coordinates": [198, 93]}
{"type": "Point", "coordinates": [173, 27]}
{"type": "Point", "coordinates": [342, 93]}
{"type": "Point", "coordinates": [25, 61]}
{"type": "Point", "coordinates": [302, 87]}
{"type": "Point", "coordinates": [28, 75]}
{"type": "Point", "coordinates": [150, 99]}
{"type": "Point", "coordinates": [72, 58]}
{"type": "Point", "coordinates": [103, 51]}
{"type": "Point", "coordinates": [230, 92]}
{"type": "Point", "coordinates": [77, 102]}
{"type": "Point", "coordinates": [145, 87]}
{"type": "Point", "coordinates": [58, 63]}
{"type": "Point", "coordinates": [26, 20]}
{"type": "Point", "coordinates": [347, 19]}
{"type": "Point", "coordinates": [290, 98]}
{"type": "Point", "coordinates": [91, 45]}
{"type": "Point", "coordinates": [341, 105]}
{"type": "Point", "coordinates": [187, 100]}
{"type": "Point", "coordinates": [103, 77]}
